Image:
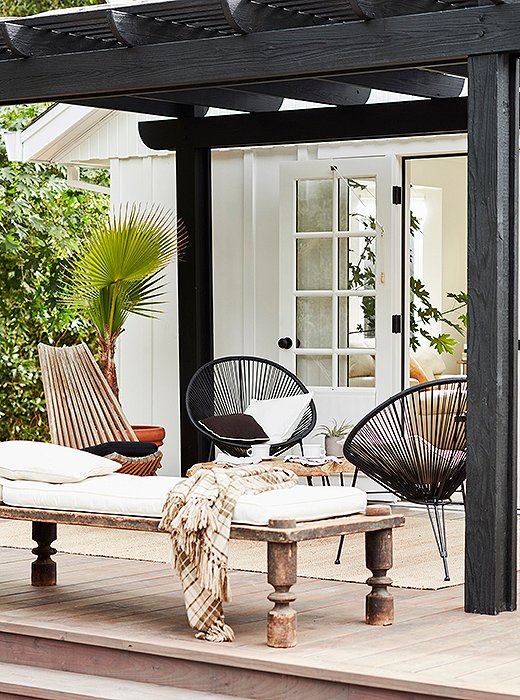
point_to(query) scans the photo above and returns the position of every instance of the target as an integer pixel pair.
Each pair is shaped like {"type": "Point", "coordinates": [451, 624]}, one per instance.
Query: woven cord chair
{"type": "Point", "coordinates": [414, 444]}
{"type": "Point", "coordinates": [82, 408]}
{"type": "Point", "coordinates": [227, 385]}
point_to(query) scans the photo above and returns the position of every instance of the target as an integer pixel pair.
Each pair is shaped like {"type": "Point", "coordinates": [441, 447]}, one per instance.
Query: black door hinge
{"type": "Point", "coordinates": [396, 323]}
{"type": "Point", "coordinates": [397, 194]}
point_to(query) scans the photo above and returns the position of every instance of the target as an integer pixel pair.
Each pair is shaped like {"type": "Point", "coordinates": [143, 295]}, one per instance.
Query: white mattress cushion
{"type": "Point", "coordinates": [124, 494]}
{"type": "Point", "coordinates": [300, 503]}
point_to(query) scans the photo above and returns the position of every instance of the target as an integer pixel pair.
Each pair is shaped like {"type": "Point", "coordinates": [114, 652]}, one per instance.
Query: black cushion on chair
{"type": "Point", "coordinates": [237, 426]}
{"type": "Point", "coordinates": [125, 448]}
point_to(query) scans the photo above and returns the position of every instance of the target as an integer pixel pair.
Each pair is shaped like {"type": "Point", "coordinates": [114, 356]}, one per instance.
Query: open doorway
{"type": "Point", "coordinates": [436, 264]}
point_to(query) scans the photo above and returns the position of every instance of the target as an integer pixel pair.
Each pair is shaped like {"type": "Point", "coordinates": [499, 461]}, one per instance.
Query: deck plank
{"type": "Point", "coordinates": [434, 649]}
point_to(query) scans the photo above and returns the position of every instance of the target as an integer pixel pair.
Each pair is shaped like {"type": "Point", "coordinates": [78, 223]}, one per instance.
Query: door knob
{"type": "Point", "coordinates": [285, 343]}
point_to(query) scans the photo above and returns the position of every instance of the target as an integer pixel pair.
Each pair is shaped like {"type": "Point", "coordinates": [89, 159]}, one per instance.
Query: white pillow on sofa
{"type": "Point", "coordinates": [279, 418]}
{"type": "Point", "coordinates": [431, 362]}
{"type": "Point", "coordinates": [54, 464]}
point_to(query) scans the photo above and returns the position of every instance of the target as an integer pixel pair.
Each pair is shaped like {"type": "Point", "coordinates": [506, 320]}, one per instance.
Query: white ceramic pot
{"type": "Point", "coordinates": [334, 446]}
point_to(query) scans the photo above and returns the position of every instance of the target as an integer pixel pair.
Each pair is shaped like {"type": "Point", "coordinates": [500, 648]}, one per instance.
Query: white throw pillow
{"type": "Point", "coordinates": [431, 362]}
{"type": "Point", "coordinates": [361, 366]}
{"type": "Point", "coordinates": [54, 464]}
{"type": "Point", "coordinates": [279, 418]}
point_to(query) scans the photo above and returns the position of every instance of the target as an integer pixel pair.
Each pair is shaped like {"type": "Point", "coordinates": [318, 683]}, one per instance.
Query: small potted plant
{"type": "Point", "coordinates": [335, 435]}
{"type": "Point", "coordinates": [117, 270]}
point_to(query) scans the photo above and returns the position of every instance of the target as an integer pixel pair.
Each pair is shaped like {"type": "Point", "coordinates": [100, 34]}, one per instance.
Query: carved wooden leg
{"type": "Point", "coordinates": [379, 602]}
{"type": "Point", "coordinates": [43, 570]}
{"type": "Point", "coordinates": [281, 574]}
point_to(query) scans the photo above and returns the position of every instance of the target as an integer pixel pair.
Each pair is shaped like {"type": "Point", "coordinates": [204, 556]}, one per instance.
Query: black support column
{"type": "Point", "coordinates": [195, 285]}
{"type": "Point", "coordinates": [492, 334]}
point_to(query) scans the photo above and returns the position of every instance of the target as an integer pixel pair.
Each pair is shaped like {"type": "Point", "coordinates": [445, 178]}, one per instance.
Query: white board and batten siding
{"type": "Point", "coordinates": [148, 356]}
{"type": "Point", "coordinates": [147, 353]}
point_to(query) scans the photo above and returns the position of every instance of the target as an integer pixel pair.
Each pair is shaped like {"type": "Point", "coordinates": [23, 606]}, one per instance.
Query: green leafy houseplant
{"type": "Point", "coordinates": [335, 429]}
{"type": "Point", "coordinates": [422, 311]}
{"type": "Point", "coordinates": [335, 434]}
{"type": "Point", "coordinates": [118, 271]}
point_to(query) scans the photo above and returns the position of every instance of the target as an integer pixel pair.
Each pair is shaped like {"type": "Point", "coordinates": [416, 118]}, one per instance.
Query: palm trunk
{"type": "Point", "coordinates": [107, 362]}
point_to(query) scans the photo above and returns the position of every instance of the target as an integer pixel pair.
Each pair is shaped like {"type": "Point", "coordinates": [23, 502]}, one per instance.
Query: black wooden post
{"type": "Point", "coordinates": [195, 285]}
{"type": "Point", "coordinates": [492, 334]}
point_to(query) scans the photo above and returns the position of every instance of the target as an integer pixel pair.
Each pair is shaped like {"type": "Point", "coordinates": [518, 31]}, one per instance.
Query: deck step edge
{"type": "Point", "coordinates": [50, 684]}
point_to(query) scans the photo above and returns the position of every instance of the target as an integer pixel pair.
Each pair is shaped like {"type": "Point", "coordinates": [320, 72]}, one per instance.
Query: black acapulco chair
{"type": "Point", "coordinates": [227, 385]}
{"type": "Point", "coordinates": [414, 444]}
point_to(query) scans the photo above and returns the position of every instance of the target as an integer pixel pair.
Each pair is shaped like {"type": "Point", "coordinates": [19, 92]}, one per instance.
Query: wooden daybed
{"type": "Point", "coordinates": [282, 537]}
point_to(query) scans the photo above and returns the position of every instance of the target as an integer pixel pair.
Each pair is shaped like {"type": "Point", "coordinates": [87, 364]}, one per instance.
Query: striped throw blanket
{"type": "Point", "coordinates": [197, 514]}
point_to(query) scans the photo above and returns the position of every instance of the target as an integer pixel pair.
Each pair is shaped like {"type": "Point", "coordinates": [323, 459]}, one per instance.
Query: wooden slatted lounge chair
{"type": "Point", "coordinates": [82, 409]}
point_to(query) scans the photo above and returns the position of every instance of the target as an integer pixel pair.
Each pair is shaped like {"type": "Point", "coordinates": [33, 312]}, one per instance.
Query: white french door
{"type": "Point", "coordinates": [340, 281]}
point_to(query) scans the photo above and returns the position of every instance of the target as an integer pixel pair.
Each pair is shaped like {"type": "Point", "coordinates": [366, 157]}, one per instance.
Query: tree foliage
{"type": "Point", "coordinates": [41, 219]}
{"type": "Point", "coordinates": [19, 8]}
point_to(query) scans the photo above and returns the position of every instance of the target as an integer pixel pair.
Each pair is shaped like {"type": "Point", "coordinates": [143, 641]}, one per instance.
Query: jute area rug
{"type": "Point", "coordinates": [416, 561]}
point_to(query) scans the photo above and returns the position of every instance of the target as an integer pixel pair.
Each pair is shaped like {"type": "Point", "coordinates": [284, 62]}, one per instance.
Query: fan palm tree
{"type": "Point", "coordinates": [117, 271]}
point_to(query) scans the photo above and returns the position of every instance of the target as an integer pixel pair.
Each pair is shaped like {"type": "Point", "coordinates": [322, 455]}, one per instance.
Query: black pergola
{"type": "Point", "coordinates": [177, 57]}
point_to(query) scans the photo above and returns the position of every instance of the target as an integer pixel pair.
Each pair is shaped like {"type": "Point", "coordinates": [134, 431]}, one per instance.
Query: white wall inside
{"type": "Point", "coordinates": [445, 233]}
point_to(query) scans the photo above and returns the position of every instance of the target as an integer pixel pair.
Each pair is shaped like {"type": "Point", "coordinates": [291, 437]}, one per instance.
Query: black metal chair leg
{"type": "Point", "coordinates": [463, 492]}
{"type": "Point", "coordinates": [341, 480]}
{"type": "Point", "coordinates": [342, 538]}
{"type": "Point", "coordinates": [439, 530]}
{"type": "Point", "coordinates": [340, 547]}
{"type": "Point", "coordinates": [309, 481]}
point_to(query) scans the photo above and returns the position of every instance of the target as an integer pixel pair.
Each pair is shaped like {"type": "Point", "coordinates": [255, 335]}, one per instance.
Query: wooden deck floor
{"type": "Point", "coordinates": [103, 608]}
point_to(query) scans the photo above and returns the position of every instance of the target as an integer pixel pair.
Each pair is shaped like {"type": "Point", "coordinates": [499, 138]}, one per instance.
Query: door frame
{"type": "Point", "coordinates": [388, 173]}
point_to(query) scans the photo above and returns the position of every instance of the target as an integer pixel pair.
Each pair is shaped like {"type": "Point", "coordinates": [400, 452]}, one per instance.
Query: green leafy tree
{"type": "Point", "coordinates": [19, 8]}
{"type": "Point", "coordinates": [41, 220]}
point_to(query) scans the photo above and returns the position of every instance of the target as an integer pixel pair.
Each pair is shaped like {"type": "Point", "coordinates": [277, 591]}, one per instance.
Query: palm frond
{"type": "Point", "coordinates": [117, 270]}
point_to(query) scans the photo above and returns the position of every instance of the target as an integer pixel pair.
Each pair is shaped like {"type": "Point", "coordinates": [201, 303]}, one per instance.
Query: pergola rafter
{"type": "Point", "coordinates": [177, 57]}
{"type": "Point", "coordinates": [81, 33]}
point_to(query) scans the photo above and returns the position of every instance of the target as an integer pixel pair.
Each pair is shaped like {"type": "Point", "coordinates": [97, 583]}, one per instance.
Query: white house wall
{"type": "Point", "coordinates": [148, 356]}
{"type": "Point", "coordinates": [113, 137]}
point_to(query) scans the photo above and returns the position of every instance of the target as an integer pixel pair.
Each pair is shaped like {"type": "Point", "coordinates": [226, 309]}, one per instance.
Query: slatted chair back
{"type": "Point", "coordinates": [414, 443]}
{"type": "Point", "coordinates": [81, 407]}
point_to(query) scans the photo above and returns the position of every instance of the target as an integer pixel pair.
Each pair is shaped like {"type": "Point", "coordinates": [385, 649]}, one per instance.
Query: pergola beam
{"type": "Point", "coordinates": [420, 83]}
{"type": "Point", "coordinates": [241, 100]}
{"type": "Point", "coordinates": [373, 121]}
{"type": "Point", "coordinates": [143, 105]}
{"type": "Point", "coordinates": [172, 104]}
{"type": "Point", "coordinates": [247, 17]}
{"type": "Point", "coordinates": [320, 91]}
{"type": "Point", "coordinates": [26, 41]}
{"type": "Point", "coordinates": [136, 30]}
{"type": "Point", "coordinates": [324, 51]}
